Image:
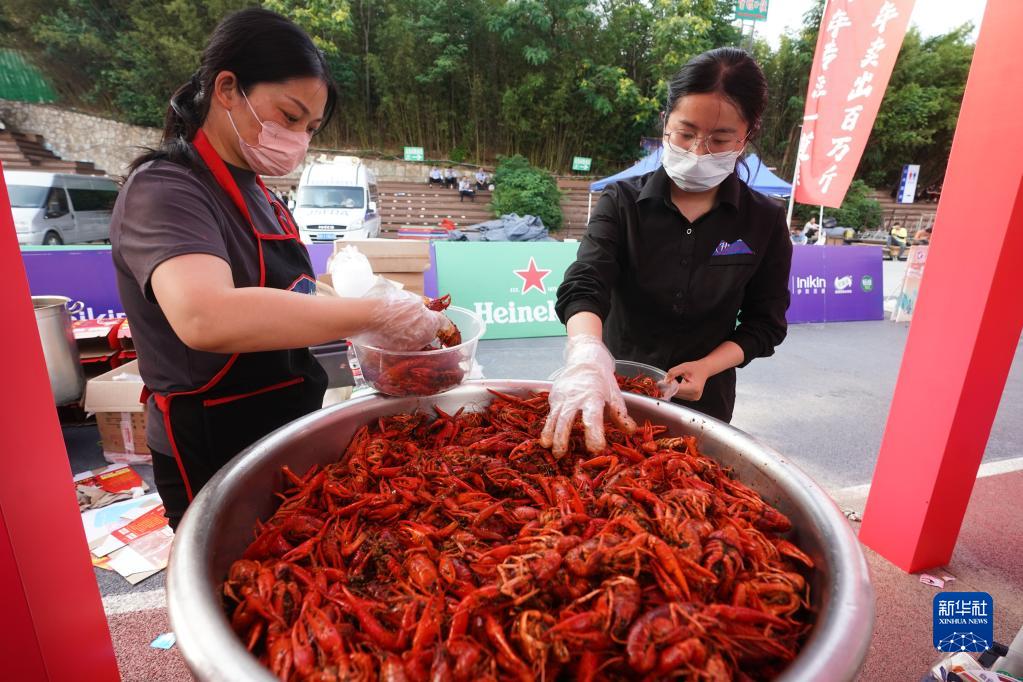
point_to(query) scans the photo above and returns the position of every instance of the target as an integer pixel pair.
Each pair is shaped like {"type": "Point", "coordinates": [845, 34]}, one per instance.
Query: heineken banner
{"type": "Point", "coordinates": [512, 285]}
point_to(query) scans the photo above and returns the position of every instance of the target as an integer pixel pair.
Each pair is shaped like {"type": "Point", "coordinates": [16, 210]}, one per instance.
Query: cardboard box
{"type": "Point", "coordinates": [96, 339]}
{"type": "Point", "coordinates": [391, 255]}
{"type": "Point", "coordinates": [120, 417]}
{"type": "Point", "coordinates": [410, 281]}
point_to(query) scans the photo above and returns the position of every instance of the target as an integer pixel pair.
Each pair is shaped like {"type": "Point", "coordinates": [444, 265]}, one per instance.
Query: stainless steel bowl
{"type": "Point", "coordinates": [218, 526]}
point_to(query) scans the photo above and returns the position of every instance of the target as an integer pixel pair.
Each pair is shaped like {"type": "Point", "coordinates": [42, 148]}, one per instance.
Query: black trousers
{"type": "Point", "coordinates": [171, 487]}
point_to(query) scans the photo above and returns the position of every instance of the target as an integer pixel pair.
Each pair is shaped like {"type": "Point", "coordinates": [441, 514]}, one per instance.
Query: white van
{"type": "Point", "coordinates": [337, 199]}
{"type": "Point", "coordinates": [60, 208]}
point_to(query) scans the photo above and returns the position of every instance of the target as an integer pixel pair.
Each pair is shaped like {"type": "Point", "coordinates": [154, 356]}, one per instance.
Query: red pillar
{"type": "Point", "coordinates": [52, 625]}
{"type": "Point", "coordinates": [966, 322]}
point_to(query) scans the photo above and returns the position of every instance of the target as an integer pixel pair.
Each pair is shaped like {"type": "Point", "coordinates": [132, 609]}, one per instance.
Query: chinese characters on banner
{"type": "Point", "coordinates": [856, 50]}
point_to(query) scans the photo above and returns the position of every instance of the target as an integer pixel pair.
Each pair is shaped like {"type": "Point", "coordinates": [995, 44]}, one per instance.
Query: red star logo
{"type": "Point", "coordinates": [532, 277]}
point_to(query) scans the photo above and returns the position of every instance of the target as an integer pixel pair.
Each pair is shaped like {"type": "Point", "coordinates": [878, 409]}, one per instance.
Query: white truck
{"type": "Point", "coordinates": [337, 199]}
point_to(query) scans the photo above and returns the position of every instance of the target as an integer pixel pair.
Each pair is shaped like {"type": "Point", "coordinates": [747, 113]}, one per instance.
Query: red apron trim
{"type": "Point", "coordinates": [226, 181]}
{"type": "Point", "coordinates": [212, 402]}
{"type": "Point", "coordinates": [164, 403]}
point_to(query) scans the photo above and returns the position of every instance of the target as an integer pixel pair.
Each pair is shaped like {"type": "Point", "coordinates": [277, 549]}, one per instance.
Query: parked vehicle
{"type": "Point", "coordinates": [60, 208]}
{"type": "Point", "coordinates": [337, 199]}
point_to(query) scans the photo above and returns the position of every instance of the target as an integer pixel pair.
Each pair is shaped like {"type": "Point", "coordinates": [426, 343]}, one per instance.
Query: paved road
{"type": "Point", "coordinates": [822, 399]}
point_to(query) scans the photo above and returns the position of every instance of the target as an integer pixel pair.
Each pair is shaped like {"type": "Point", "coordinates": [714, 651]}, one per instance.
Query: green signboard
{"type": "Point", "coordinates": [751, 10]}
{"type": "Point", "coordinates": [581, 163]}
{"type": "Point", "coordinates": [512, 286]}
{"type": "Point", "coordinates": [414, 154]}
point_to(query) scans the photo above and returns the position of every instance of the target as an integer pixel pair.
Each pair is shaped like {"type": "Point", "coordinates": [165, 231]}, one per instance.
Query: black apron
{"type": "Point", "coordinates": [253, 393]}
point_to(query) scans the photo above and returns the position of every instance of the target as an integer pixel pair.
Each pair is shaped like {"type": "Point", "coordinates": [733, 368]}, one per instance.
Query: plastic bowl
{"type": "Point", "coordinates": [423, 372]}
{"type": "Point", "coordinates": [627, 368]}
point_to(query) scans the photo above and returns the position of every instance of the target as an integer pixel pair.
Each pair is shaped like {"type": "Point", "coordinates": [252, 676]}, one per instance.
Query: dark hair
{"type": "Point", "coordinates": [257, 46]}
{"type": "Point", "coordinates": [728, 71]}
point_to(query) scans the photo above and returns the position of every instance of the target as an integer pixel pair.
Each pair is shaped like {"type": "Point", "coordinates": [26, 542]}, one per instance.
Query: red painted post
{"type": "Point", "coordinates": [966, 322]}
{"type": "Point", "coordinates": [52, 625]}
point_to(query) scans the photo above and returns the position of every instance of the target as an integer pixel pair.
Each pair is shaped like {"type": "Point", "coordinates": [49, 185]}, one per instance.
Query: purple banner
{"type": "Point", "coordinates": [83, 274]}
{"type": "Point", "coordinates": [836, 284]}
{"type": "Point", "coordinates": [86, 274]}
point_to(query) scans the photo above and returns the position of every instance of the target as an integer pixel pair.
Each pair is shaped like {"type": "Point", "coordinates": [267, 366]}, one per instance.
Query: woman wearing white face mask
{"type": "Point", "coordinates": [684, 268]}
{"type": "Point", "coordinates": [210, 267]}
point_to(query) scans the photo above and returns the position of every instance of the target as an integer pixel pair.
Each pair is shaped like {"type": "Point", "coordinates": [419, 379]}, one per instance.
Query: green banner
{"type": "Point", "coordinates": [414, 154]}
{"type": "Point", "coordinates": [512, 286]}
{"type": "Point", "coordinates": [581, 163]}
{"type": "Point", "coordinates": [751, 10]}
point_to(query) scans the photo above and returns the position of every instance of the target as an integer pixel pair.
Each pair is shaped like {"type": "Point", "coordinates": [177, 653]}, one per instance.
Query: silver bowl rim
{"type": "Point", "coordinates": [835, 650]}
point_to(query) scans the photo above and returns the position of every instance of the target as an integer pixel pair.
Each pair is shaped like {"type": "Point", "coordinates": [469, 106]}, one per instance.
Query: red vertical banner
{"type": "Point", "coordinates": [52, 625]}
{"type": "Point", "coordinates": [856, 50]}
{"type": "Point", "coordinates": [966, 323]}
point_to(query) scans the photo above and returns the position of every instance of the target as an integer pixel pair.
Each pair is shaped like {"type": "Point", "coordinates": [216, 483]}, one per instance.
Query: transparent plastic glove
{"type": "Point", "coordinates": [586, 385]}
{"type": "Point", "coordinates": [669, 387]}
{"type": "Point", "coordinates": [401, 321]}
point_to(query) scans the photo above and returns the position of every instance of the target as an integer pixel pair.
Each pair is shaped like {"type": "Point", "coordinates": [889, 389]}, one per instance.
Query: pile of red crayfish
{"type": "Point", "coordinates": [642, 385]}
{"type": "Point", "coordinates": [424, 374]}
{"type": "Point", "coordinates": [455, 547]}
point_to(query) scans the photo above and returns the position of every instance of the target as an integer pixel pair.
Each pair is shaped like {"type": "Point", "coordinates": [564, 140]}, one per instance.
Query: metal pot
{"type": "Point", "coordinates": [53, 317]}
{"type": "Point", "coordinates": [218, 526]}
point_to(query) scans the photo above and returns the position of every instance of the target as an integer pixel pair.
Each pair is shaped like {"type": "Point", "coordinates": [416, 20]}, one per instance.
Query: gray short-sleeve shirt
{"type": "Point", "coordinates": [165, 210]}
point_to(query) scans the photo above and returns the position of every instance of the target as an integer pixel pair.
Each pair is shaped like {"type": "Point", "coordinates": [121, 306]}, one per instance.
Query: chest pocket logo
{"type": "Point", "coordinates": [736, 248]}
{"type": "Point", "coordinates": [303, 285]}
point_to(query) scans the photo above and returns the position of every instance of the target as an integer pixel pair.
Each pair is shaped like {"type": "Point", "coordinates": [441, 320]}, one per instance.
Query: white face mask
{"type": "Point", "coordinates": [698, 173]}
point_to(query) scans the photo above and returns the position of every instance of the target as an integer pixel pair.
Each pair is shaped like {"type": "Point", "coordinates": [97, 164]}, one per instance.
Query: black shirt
{"type": "Point", "coordinates": [670, 290]}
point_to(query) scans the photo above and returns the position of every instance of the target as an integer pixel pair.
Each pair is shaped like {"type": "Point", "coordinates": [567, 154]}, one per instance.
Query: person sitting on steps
{"type": "Point", "coordinates": [465, 190]}
{"type": "Point", "coordinates": [897, 237]}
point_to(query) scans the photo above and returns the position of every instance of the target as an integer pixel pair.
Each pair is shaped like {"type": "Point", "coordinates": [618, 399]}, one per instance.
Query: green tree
{"type": "Point", "coordinates": [474, 79]}
{"type": "Point", "coordinates": [521, 188]}
{"type": "Point", "coordinates": [859, 209]}
{"type": "Point", "coordinates": [917, 118]}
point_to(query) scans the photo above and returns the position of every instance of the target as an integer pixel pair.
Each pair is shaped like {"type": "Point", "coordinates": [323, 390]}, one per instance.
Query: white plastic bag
{"type": "Point", "coordinates": [351, 273]}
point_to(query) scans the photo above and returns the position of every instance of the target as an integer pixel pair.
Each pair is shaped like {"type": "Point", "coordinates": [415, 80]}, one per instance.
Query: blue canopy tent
{"type": "Point", "coordinates": [764, 181]}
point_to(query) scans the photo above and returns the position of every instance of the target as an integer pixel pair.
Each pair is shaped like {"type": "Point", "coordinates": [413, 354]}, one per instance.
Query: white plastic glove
{"type": "Point", "coordinates": [401, 321]}
{"type": "Point", "coordinates": [586, 385]}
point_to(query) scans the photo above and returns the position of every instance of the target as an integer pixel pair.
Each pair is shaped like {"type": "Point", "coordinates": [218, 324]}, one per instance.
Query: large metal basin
{"type": "Point", "coordinates": [218, 526]}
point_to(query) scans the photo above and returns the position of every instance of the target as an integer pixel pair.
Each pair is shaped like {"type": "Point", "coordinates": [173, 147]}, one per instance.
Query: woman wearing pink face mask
{"type": "Point", "coordinates": [210, 268]}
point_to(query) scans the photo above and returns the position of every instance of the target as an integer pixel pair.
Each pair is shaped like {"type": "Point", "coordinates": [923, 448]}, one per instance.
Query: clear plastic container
{"type": "Point", "coordinates": [425, 372]}
{"type": "Point", "coordinates": [629, 369]}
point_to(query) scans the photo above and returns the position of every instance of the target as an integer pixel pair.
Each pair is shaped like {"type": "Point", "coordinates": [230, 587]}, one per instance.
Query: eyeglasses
{"type": "Point", "coordinates": [717, 143]}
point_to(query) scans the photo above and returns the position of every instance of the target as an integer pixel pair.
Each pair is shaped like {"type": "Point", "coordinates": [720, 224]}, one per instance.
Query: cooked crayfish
{"type": "Point", "coordinates": [424, 373]}
{"type": "Point", "coordinates": [453, 547]}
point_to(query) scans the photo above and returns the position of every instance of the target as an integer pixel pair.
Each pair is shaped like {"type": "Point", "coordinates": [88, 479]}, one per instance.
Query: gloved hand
{"type": "Point", "coordinates": [586, 385]}
{"type": "Point", "coordinates": [401, 321]}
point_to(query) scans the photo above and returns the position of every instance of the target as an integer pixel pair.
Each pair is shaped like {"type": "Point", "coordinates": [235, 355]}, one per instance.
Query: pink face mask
{"type": "Point", "coordinates": [277, 151]}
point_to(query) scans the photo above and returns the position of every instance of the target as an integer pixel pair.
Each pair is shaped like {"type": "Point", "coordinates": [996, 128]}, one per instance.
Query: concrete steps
{"type": "Point", "coordinates": [911, 216]}
{"type": "Point", "coordinates": [25, 151]}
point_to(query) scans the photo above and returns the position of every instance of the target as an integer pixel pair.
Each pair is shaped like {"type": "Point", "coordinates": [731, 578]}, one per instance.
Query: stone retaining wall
{"type": "Point", "coordinates": [75, 136]}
